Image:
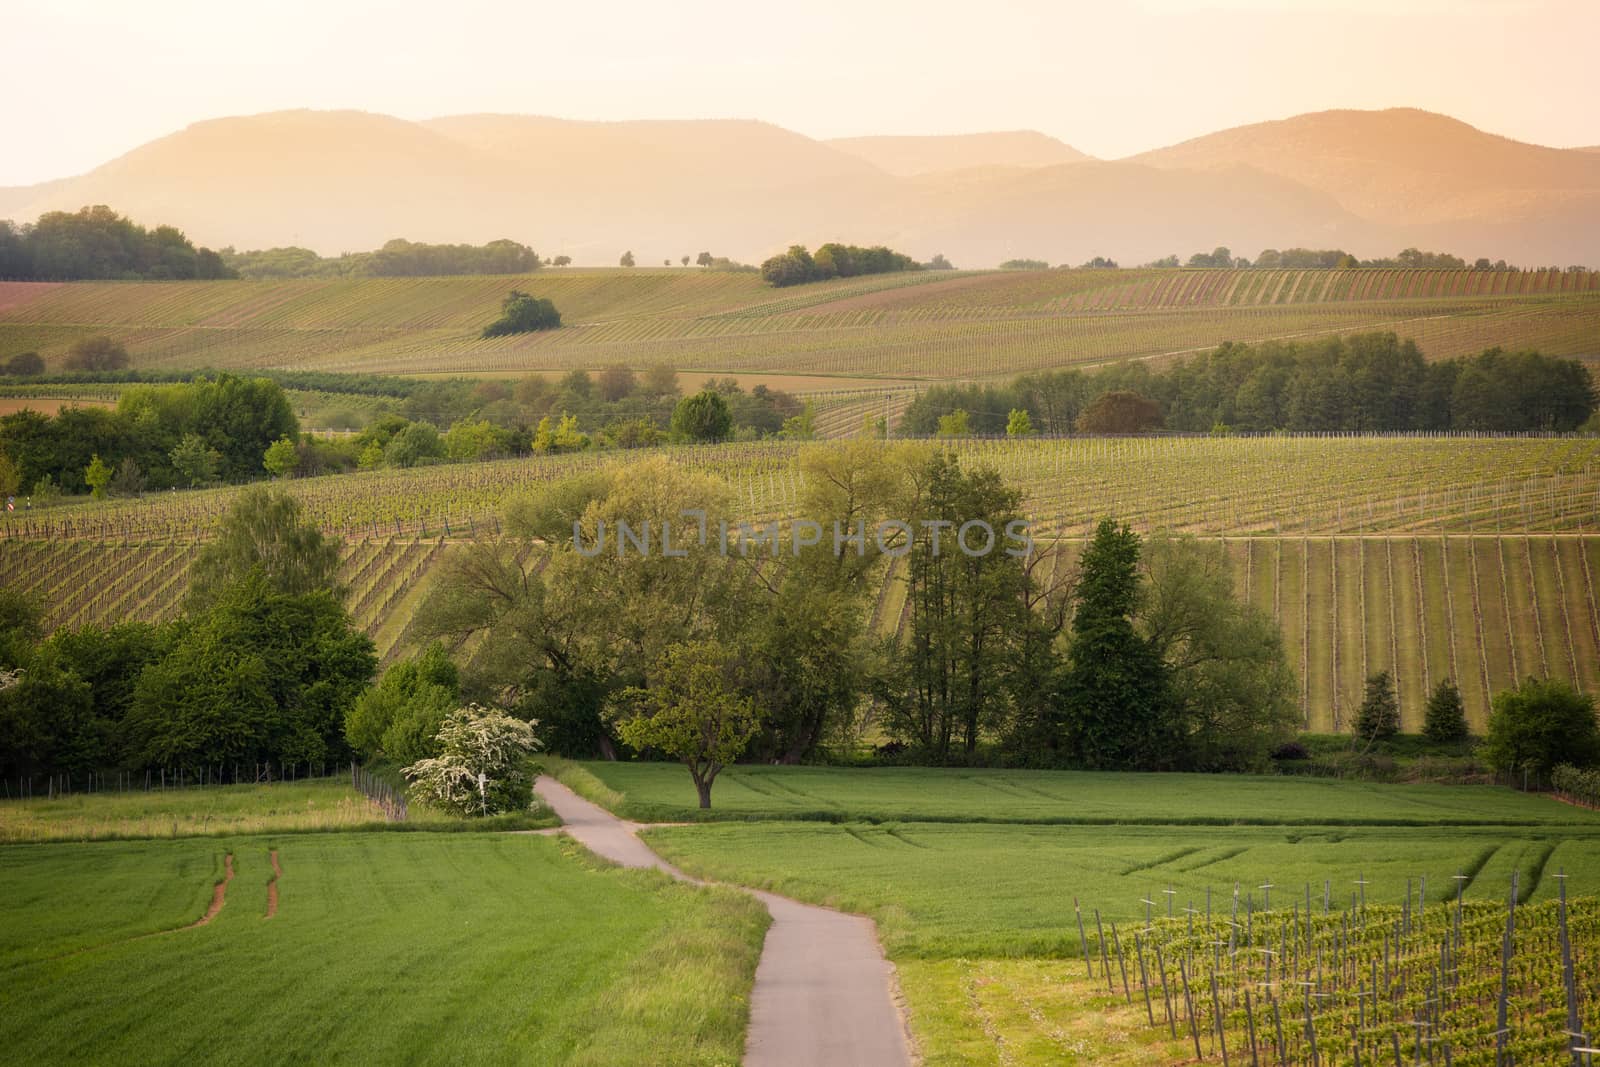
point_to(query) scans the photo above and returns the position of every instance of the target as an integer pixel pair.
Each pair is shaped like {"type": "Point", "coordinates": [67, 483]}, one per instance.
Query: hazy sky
{"type": "Point", "coordinates": [85, 80]}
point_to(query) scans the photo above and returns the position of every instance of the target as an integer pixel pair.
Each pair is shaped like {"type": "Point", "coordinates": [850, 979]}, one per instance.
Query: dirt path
{"type": "Point", "coordinates": [823, 993]}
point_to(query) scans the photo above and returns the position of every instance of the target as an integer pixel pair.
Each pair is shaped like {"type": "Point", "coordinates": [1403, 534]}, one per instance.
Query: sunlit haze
{"type": "Point", "coordinates": [86, 80]}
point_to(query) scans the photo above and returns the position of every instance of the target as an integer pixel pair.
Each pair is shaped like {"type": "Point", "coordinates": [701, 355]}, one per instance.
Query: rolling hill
{"type": "Point", "coordinates": [909, 156]}
{"type": "Point", "coordinates": [1372, 182]}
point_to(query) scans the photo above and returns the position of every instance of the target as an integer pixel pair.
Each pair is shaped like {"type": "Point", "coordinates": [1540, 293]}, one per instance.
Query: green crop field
{"type": "Point", "coordinates": [927, 325]}
{"type": "Point", "coordinates": [982, 917]}
{"type": "Point", "coordinates": [380, 948]}
{"type": "Point", "coordinates": [663, 792]}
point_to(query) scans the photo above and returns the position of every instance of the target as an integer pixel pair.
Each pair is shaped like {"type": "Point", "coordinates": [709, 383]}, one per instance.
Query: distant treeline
{"type": "Point", "coordinates": [1366, 383]}
{"type": "Point", "coordinates": [97, 243]}
{"type": "Point", "coordinates": [798, 266]}
{"type": "Point", "coordinates": [157, 437]}
{"type": "Point", "coordinates": [396, 259]}
{"type": "Point", "coordinates": [1299, 259]}
{"type": "Point", "coordinates": [308, 380]}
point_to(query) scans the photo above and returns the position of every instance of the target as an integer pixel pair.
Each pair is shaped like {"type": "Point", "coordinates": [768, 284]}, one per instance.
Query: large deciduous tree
{"type": "Point", "coordinates": [264, 532]}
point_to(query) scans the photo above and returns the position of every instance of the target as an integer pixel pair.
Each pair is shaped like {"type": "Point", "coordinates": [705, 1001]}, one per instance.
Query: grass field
{"type": "Point", "coordinates": [662, 792]}
{"type": "Point", "coordinates": [930, 325]}
{"type": "Point", "coordinates": [321, 804]}
{"type": "Point", "coordinates": [414, 948]}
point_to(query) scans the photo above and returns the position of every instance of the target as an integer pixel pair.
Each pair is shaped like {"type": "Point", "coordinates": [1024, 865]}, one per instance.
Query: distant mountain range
{"type": "Point", "coordinates": [1371, 182]}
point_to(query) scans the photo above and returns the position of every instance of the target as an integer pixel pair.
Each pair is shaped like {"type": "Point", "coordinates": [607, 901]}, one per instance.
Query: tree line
{"type": "Point", "coordinates": [1141, 658]}
{"type": "Point", "coordinates": [97, 243]}
{"type": "Point", "coordinates": [262, 668]}
{"type": "Point", "coordinates": [157, 437]}
{"type": "Point", "coordinates": [1362, 383]}
{"type": "Point", "coordinates": [1300, 259]}
{"type": "Point", "coordinates": [833, 260]}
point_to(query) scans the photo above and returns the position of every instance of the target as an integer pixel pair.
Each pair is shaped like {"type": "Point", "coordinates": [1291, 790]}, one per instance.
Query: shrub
{"type": "Point", "coordinates": [95, 354]}
{"type": "Point", "coordinates": [521, 313]}
{"type": "Point", "coordinates": [481, 768]}
{"type": "Point", "coordinates": [1539, 725]}
{"type": "Point", "coordinates": [1578, 784]}
{"type": "Point", "coordinates": [1291, 750]}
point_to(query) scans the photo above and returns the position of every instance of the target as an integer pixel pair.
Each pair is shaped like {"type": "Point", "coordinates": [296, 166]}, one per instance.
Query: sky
{"type": "Point", "coordinates": [86, 80]}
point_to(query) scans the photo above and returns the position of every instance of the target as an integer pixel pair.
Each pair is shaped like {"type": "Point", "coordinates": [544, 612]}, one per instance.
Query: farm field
{"type": "Point", "coordinates": [926, 325]}
{"type": "Point", "coordinates": [663, 792]}
{"type": "Point", "coordinates": [1470, 558]}
{"type": "Point", "coordinates": [386, 947]}
{"type": "Point", "coordinates": [1283, 486]}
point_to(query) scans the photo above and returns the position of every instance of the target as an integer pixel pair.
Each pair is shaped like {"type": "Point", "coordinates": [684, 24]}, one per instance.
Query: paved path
{"type": "Point", "coordinates": [822, 994]}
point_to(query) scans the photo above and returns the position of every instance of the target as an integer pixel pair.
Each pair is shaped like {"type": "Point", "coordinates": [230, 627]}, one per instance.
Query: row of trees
{"type": "Point", "coordinates": [263, 667]}
{"type": "Point", "coordinates": [1142, 658]}
{"type": "Point", "coordinates": [158, 436]}
{"type": "Point", "coordinates": [397, 258]}
{"type": "Point", "coordinates": [832, 260]}
{"type": "Point", "coordinates": [1328, 258]}
{"type": "Point", "coordinates": [96, 242]}
{"type": "Point", "coordinates": [1366, 382]}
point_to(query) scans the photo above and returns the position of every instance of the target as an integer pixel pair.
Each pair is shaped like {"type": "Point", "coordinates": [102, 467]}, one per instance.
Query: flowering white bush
{"type": "Point", "coordinates": [477, 741]}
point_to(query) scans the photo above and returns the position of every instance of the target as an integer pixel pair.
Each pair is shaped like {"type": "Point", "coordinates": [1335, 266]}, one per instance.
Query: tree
{"type": "Point", "coordinates": [1120, 411]}
{"type": "Point", "coordinates": [1018, 424]}
{"type": "Point", "coordinates": [968, 609]}
{"type": "Point", "coordinates": [522, 313]}
{"type": "Point", "coordinates": [281, 458]}
{"type": "Point", "coordinates": [98, 476]}
{"type": "Point", "coordinates": [627, 259]}
{"type": "Point", "coordinates": [938, 262]}
{"type": "Point", "coordinates": [398, 719]}
{"type": "Point", "coordinates": [1231, 683]}
{"type": "Point", "coordinates": [660, 379]}
{"type": "Point", "coordinates": [417, 444]}
{"type": "Point", "coordinates": [21, 626]}
{"type": "Point", "coordinates": [481, 768]}
{"type": "Point", "coordinates": [561, 261]}
{"type": "Point", "coordinates": [616, 382]}
{"type": "Point", "coordinates": [701, 418]}
{"type": "Point", "coordinates": [1445, 721]}
{"type": "Point", "coordinates": [1540, 724]}
{"type": "Point", "coordinates": [1379, 716]}
{"type": "Point", "coordinates": [1116, 700]}
{"type": "Point", "coordinates": [195, 461]}
{"type": "Point", "coordinates": [264, 532]}
{"type": "Point", "coordinates": [95, 355]}
{"type": "Point", "coordinates": [130, 478]}
{"type": "Point", "coordinates": [24, 365]}
{"type": "Point", "coordinates": [690, 709]}
{"type": "Point", "coordinates": [703, 259]}
{"type": "Point", "coordinates": [10, 477]}
{"type": "Point", "coordinates": [955, 424]}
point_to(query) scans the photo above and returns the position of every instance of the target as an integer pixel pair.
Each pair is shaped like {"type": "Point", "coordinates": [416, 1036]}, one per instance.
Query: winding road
{"type": "Point", "coordinates": [823, 993]}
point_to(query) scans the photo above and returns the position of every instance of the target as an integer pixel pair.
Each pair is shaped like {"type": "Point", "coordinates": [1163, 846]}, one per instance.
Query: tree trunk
{"type": "Point", "coordinates": [703, 787]}
{"type": "Point", "coordinates": [608, 751]}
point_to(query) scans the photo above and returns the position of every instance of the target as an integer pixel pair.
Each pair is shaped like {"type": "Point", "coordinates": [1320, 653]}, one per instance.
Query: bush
{"type": "Point", "coordinates": [1578, 784]}
{"type": "Point", "coordinates": [473, 742]}
{"type": "Point", "coordinates": [1540, 725]}
{"type": "Point", "coordinates": [521, 313]}
{"type": "Point", "coordinates": [96, 354]}
{"type": "Point", "coordinates": [1291, 750]}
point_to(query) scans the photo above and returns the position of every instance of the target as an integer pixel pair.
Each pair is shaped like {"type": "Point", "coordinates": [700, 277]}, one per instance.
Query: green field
{"type": "Point", "coordinates": [926, 325]}
{"type": "Point", "coordinates": [663, 792]}
{"type": "Point", "coordinates": [321, 804]}
{"type": "Point", "coordinates": [415, 948]}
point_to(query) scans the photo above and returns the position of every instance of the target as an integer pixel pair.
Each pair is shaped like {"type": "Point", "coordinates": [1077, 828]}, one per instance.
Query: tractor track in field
{"type": "Point", "coordinates": [219, 897]}
{"type": "Point", "coordinates": [272, 886]}
{"type": "Point", "coordinates": [824, 994]}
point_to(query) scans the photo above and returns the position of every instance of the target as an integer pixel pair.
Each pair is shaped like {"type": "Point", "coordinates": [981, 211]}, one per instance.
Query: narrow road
{"type": "Point", "coordinates": [822, 994]}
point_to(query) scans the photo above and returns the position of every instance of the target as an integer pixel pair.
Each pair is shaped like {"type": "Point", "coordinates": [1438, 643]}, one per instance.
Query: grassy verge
{"type": "Point", "coordinates": [663, 792]}
{"type": "Point", "coordinates": [279, 807]}
{"type": "Point", "coordinates": [384, 948]}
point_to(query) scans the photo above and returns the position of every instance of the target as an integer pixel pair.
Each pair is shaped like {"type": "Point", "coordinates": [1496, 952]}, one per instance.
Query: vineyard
{"type": "Point", "coordinates": [1486, 576]}
{"type": "Point", "coordinates": [928, 325]}
{"type": "Point", "coordinates": [1441, 982]}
